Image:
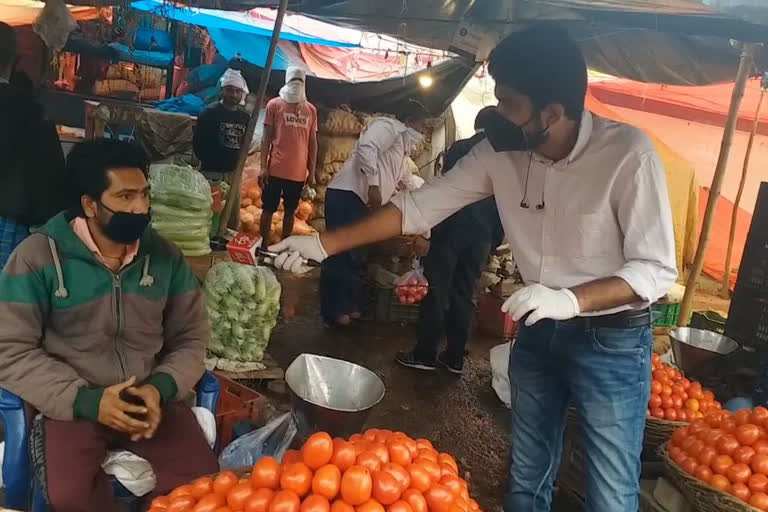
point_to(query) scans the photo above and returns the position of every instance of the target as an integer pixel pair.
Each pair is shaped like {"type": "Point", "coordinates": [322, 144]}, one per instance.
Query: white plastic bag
{"type": "Point", "coordinates": [500, 373]}
{"type": "Point", "coordinates": [273, 439]}
{"type": "Point", "coordinates": [54, 24]}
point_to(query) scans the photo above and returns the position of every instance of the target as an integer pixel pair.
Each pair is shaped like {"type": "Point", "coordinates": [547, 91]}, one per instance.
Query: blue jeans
{"type": "Point", "coordinates": [603, 373]}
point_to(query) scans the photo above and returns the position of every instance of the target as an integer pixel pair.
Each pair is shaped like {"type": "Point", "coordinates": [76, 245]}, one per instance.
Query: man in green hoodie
{"type": "Point", "coordinates": [103, 330]}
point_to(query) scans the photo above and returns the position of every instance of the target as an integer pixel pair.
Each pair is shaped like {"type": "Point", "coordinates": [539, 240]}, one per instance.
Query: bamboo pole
{"type": "Point", "coordinates": [246, 144]}
{"type": "Point", "coordinates": [726, 290]}
{"type": "Point", "coordinates": [745, 66]}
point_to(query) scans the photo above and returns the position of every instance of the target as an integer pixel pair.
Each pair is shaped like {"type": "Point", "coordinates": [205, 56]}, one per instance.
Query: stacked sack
{"type": "Point", "coordinates": [339, 130]}
{"type": "Point", "coordinates": [181, 207]}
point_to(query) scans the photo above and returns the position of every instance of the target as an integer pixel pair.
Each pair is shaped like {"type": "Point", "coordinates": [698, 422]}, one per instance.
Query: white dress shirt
{"type": "Point", "coordinates": [378, 160]}
{"type": "Point", "coordinates": [606, 209]}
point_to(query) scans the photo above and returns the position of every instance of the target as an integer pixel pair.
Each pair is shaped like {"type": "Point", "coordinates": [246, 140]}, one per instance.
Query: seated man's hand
{"type": "Point", "coordinates": [294, 250]}
{"type": "Point", "coordinates": [114, 411]}
{"type": "Point", "coordinates": [151, 398]}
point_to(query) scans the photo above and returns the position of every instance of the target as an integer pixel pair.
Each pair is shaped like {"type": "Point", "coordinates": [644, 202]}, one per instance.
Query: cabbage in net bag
{"type": "Point", "coordinates": [243, 302]}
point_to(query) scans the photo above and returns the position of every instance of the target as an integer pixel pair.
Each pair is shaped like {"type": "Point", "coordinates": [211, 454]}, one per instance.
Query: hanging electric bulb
{"type": "Point", "coordinates": [425, 79]}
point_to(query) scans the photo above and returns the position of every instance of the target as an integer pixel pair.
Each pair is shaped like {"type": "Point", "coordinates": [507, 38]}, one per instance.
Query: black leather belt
{"type": "Point", "coordinates": [621, 320]}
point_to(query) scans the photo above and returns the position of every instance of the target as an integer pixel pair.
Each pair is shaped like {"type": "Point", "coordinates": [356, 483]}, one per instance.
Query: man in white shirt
{"type": "Point", "coordinates": [367, 180]}
{"type": "Point", "coordinates": [584, 204]}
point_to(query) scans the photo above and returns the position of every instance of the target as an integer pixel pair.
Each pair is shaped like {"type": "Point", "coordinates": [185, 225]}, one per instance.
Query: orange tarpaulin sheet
{"type": "Point", "coordinates": [682, 187]}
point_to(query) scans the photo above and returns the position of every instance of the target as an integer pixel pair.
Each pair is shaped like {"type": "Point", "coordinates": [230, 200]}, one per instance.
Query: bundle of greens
{"type": "Point", "coordinates": [243, 302]}
{"type": "Point", "coordinates": [181, 207]}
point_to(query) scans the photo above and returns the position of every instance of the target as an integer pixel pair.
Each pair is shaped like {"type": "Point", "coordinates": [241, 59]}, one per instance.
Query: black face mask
{"type": "Point", "coordinates": [505, 135]}
{"type": "Point", "coordinates": [124, 227]}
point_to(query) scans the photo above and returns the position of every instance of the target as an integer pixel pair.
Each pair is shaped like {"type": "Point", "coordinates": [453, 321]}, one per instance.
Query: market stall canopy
{"type": "Point", "coordinates": [23, 12]}
{"type": "Point", "coordinates": [684, 42]}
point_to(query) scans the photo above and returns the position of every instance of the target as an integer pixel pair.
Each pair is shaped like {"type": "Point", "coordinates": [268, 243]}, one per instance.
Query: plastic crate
{"type": "Point", "coordinates": [237, 403]}
{"type": "Point", "coordinates": [747, 320]}
{"type": "Point", "coordinates": [708, 321]}
{"type": "Point", "coordinates": [667, 314]}
{"type": "Point", "coordinates": [385, 307]}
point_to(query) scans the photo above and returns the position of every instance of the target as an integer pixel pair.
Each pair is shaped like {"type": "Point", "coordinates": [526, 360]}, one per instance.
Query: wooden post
{"type": "Point", "coordinates": [726, 290]}
{"type": "Point", "coordinates": [745, 66]}
{"type": "Point", "coordinates": [237, 178]}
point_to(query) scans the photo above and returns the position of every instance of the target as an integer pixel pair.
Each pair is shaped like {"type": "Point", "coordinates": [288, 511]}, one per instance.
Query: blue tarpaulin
{"type": "Point", "coordinates": [227, 20]}
{"type": "Point", "coordinates": [254, 49]}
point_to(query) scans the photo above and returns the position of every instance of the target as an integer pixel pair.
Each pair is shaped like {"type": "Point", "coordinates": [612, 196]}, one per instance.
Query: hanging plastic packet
{"type": "Point", "coordinates": [308, 193]}
{"type": "Point", "coordinates": [412, 287]}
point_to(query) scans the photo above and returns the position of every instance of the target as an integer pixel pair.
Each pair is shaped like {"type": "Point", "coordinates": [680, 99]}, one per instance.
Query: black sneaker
{"type": "Point", "coordinates": [410, 360]}
{"type": "Point", "coordinates": [457, 369]}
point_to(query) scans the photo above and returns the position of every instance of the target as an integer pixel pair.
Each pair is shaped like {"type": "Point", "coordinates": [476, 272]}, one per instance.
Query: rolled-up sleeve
{"type": "Point", "coordinates": [422, 209]}
{"type": "Point", "coordinates": [379, 136]}
{"type": "Point", "coordinates": [645, 217]}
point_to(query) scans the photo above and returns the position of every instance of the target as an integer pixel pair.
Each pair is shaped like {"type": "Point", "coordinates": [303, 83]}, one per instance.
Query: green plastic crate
{"type": "Point", "coordinates": [666, 315]}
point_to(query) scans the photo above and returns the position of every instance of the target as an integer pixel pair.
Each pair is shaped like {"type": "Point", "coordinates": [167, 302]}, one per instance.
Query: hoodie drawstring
{"type": "Point", "coordinates": [146, 277]}
{"type": "Point", "coordinates": [61, 291]}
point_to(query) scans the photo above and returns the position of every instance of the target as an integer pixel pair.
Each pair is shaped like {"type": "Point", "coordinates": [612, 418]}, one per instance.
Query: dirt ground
{"type": "Point", "coordinates": [460, 415]}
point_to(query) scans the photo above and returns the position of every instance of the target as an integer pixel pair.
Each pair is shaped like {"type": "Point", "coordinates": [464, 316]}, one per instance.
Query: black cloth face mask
{"type": "Point", "coordinates": [505, 135]}
{"type": "Point", "coordinates": [125, 227]}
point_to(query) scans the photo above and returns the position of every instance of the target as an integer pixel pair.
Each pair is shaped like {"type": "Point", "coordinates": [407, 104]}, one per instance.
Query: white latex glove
{"type": "Point", "coordinates": [295, 249]}
{"type": "Point", "coordinates": [541, 302]}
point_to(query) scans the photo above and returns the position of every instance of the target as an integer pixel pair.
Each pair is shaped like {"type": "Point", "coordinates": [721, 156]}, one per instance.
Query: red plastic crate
{"type": "Point", "coordinates": [236, 403]}
{"type": "Point", "coordinates": [490, 319]}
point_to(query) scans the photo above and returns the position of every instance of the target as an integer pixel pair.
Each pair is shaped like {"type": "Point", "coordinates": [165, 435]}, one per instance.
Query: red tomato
{"type": "Point", "coordinates": [181, 503]}
{"type": "Point", "coordinates": [182, 490]}
{"type": "Point", "coordinates": [344, 454]}
{"type": "Point", "coordinates": [400, 473]}
{"type": "Point", "coordinates": [315, 503]}
{"type": "Point", "coordinates": [743, 454]}
{"type": "Point", "coordinates": [266, 474]}
{"type": "Point", "coordinates": [689, 465]}
{"type": "Point", "coordinates": [721, 464]}
{"type": "Point", "coordinates": [432, 468]}
{"type": "Point", "coordinates": [761, 446]}
{"type": "Point", "coordinates": [759, 463]}
{"type": "Point", "coordinates": [239, 495]}
{"type": "Point", "coordinates": [720, 483]}
{"type": "Point", "coordinates": [370, 506]}
{"type": "Point", "coordinates": [747, 434]}
{"type": "Point", "coordinates": [738, 473]}
{"type": "Point", "coordinates": [356, 485]}
{"type": "Point", "coordinates": [727, 444]}
{"type": "Point", "coordinates": [342, 506]}
{"type": "Point", "coordinates": [740, 491]}
{"type": "Point", "coordinates": [210, 502]}
{"type": "Point", "coordinates": [259, 501]}
{"type": "Point", "coordinates": [667, 402]}
{"type": "Point", "coordinates": [416, 500]}
{"type": "Point", "coordinates": [758, 482]}
{"type": "Point", "coordinates": [224, 482]}
{"type": "Point", "coordinates": [370, 460]}
{"type": "Point", "coordinates": [713, 436]}
{"type": "Point", "coordinates": [399, 506]}
{"type": "Point", "coordinates": [670, 414]}
{"type": "Point", "coordinates": [679, 436]}
{"type": "Point", "coordinates": [202, 486]}
{"type": "Point", "coordinates": [759, 500]}
{"type": "Point", "coordinates": [327, 482]}
{"type": "Point", "coordinates": [439, 498]}
{"type": "Point", "coordinates": [399, 452]}
{"type": "Point", "coordinates": [759, 415]}
{"type": "Point", "coordinates": [317, 450]}
{"type": "Point", "coordinates": [386, 488]}
{"type": "Point", "coordinates": [297, 478]}
{"type": "Point", "coordinates": [655, 387]}
{"type": "Point", "coordinates": [703, 473]}
{"type": "Point", "coordinates": [742, 417]}
{"type": "Point", "coordinates": [160, 502]}
{"type": "Point", "coordinates": [707, 455]}
{"type": "Point", "coordinates": [658, 413]}
{"type": "Point", "coordinates": [285, 501]}
{"type": "Point", "coordinates": [420, 479]}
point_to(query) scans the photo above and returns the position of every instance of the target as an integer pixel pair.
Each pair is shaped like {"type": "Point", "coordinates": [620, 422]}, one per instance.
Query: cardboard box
{"type": "Point", "coordinates": [242, 248]}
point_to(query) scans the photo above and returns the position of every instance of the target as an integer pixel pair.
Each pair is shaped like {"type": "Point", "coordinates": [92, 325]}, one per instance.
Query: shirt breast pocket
{"type": "Point", "coordinates": [587, 235]}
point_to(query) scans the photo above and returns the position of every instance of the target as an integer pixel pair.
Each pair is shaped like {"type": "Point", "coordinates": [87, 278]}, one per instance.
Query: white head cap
{"type": "Point", "coordinates": [234, 78]}
{"type": "Point", "coordinates": [294, 72]}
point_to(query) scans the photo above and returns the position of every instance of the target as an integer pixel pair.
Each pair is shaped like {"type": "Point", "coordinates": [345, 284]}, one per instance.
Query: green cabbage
{"type": "Point", "coordinates": [243, 303]}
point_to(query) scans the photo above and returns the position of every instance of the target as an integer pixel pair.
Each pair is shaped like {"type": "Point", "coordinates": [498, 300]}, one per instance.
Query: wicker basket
{"type": "Point", "coordinates": [658, 432]}
{"type": "Point", "coordinates": [703, 497]}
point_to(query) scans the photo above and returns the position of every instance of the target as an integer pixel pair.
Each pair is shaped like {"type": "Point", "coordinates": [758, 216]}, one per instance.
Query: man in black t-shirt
{"type": "Point", "coordinates": [458, 249]}
{"type": "Point", "coordinates": [221, 129]}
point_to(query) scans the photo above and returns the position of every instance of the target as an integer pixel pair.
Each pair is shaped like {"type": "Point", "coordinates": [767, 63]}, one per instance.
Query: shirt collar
{"type": "Point", "coordinates": [80, 227]}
